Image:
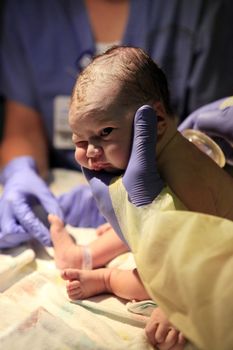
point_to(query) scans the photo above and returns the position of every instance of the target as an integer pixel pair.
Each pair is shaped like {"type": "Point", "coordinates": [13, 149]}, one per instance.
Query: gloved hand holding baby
{"type": "Point", "coordinates": [216, 120]}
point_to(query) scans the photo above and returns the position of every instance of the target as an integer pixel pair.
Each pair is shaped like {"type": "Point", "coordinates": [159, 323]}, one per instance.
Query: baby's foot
{"type": "Point", "coordinates": [67, 252]}
{"type": "Point", "coordinates": [162, 334]}
{"type": "Point", "coordinates": [84, 284]}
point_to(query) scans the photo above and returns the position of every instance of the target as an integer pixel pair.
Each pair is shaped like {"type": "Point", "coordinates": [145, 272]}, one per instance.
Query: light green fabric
{"type": "Point", "coordinates": [185, 260]}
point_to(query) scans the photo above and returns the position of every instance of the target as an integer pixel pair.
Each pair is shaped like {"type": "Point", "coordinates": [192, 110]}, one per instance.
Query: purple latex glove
{"type": "Point", "coordinates": [216, 120]}
{"type": "Point", "coordinates": [24, 204]}
{"type": "Point", "coordinates": [79, 208]}
{"type": "Point", "coordinates": [141, 178]}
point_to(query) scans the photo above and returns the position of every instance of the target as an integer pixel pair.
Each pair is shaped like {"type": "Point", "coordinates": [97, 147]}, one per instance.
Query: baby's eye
{"type": "Point", "coordinates": [106, 131]}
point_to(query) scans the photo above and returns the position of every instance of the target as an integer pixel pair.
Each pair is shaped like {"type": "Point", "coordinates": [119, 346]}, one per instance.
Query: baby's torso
{"type": "Point", "coordinates": [136, 222]}
{"type": "Point", "coordinates": [209, 192]}
{"type": "Point", "coordinates": [200, 184]}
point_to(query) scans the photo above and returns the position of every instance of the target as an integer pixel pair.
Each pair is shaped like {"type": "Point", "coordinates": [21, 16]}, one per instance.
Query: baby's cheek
{"type": "Point", "coordinates": [80, 156]}
{"type": "Point", "coordinates": [123, 162]}
{"type": "Point", "coordinates": [121, 159]}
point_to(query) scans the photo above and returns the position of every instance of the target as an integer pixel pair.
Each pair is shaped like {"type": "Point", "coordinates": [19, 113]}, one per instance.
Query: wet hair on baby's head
{"type": "Point", "coordinates": [140, 79]}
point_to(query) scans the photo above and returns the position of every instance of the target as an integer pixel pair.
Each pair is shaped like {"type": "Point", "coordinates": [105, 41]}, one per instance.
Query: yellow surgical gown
{"type": "Point", "coordinates": [185, 261]}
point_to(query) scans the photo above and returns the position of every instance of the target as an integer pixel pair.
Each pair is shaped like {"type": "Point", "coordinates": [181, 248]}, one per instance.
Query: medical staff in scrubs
{"type": "Point", "coordinates": [44, 47]}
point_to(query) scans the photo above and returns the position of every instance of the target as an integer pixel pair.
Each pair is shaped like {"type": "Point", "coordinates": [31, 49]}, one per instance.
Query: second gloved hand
{"type": "Point", "coordinates": [24, 189]}
{"type": "Point", "coordinates": [79, 208]}
{"type": "Point", "coordinates": [216, 120]}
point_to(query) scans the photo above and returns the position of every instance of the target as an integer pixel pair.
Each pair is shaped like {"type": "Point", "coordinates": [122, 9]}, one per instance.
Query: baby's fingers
{"type": "Point", "coordinates": [181, 341]}
{"type": "Point", "coordinates": [174, 341]}
{"type": "Point", "coordinates": [170, 339]}
{"type": "Point", "coordinates": [162, 336]}
{"type": "Point", "coordinates": [150, 331]}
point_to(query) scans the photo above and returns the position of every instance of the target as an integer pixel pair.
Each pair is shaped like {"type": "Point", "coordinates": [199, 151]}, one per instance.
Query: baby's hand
{"type": "Point", "coordinates": [162, 334]}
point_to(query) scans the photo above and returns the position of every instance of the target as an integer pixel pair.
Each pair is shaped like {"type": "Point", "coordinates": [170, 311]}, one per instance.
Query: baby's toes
{"type": "Point", "coordinates": [75, 295]}
{"type": "Point", "coordinates": [72, 285]}
{"type": "Point", "coordinates": [74, 290]}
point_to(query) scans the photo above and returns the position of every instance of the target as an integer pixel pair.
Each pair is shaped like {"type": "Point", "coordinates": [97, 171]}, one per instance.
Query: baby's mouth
{"type": "Point", "coordinates": [97, 166]}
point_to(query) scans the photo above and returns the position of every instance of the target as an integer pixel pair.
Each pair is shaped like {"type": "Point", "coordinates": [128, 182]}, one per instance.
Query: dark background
{"type": "Point", "coordinates": [1, 99]}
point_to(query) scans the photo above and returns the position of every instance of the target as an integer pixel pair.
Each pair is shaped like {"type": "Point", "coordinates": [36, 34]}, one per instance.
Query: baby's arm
{"type": "Point", "coordinates": [122, 283]}
{"type": "Point", "coordinates": [69, 254]}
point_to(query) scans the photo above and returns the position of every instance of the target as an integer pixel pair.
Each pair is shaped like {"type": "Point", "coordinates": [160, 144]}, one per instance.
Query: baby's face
{"type": "Point", "coordinates": [102, 138]}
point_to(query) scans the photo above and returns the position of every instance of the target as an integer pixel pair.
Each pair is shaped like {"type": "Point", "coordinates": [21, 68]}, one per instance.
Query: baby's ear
{"type": "Point", "coordinates": [161, 118]}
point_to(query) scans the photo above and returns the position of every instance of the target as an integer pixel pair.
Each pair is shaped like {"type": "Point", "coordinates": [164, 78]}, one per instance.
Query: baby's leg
{"type": "Point", "coordinates": [123, 283]}
{"type": "Point", "coordinates": [84, 284]}
{"type": "Point", "coordinates": [67, 252]}
{"type": "Point", "coordinates": [162, 334]}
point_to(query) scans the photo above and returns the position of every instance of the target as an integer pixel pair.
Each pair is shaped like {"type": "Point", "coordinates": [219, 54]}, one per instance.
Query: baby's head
{"type": "Point", "coordinates": [104, 101]}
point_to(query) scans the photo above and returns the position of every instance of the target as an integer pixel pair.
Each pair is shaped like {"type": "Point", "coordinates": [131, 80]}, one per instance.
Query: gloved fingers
{"type": "Point", "coordinates": [214, 118]}
{"type": "Point", "coordinates": [70, 202]}
{"type": "Point", "coordinates": [142, 180]}
{"type": "Point", "coordinates": [50, 203]}
{"type": "Point", "coordinates": [209, 121]}
{"type": "Point", "coordinates": [66, 199]}
{"type": "Point", "coordinates": [65, 202]}
{"type": "Point", "coordinates": [192, 120]}
{"type": "Point", "coordinates": [72, 215]}
{"type": "Point", "coordinates": [79, 208]}
{"type": "Point", "coordinates": [85, 214]}
{"type": "Point", "coordinates": [11, 233]}
{"type": "Point", "coordinates": [144, 139]}
{"type": "Point", "coordinates": [31, 223]}
{"type": "Point", "coordinates": [188, 123]}
{"type": "Point", "coordinates": [200, 121]}
{"type": "Point", "coordinates": [217, 123]}
{"type": "Point", "coordinates": [12, 240]}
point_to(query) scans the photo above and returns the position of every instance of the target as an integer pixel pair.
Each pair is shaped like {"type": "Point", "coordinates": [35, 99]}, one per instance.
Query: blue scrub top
{"type": "Point", "coordinates": [44, 42]}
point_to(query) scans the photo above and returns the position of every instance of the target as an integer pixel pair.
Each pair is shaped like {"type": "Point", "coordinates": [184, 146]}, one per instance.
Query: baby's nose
{"type": "Point", "coordinates": [93, 151]}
